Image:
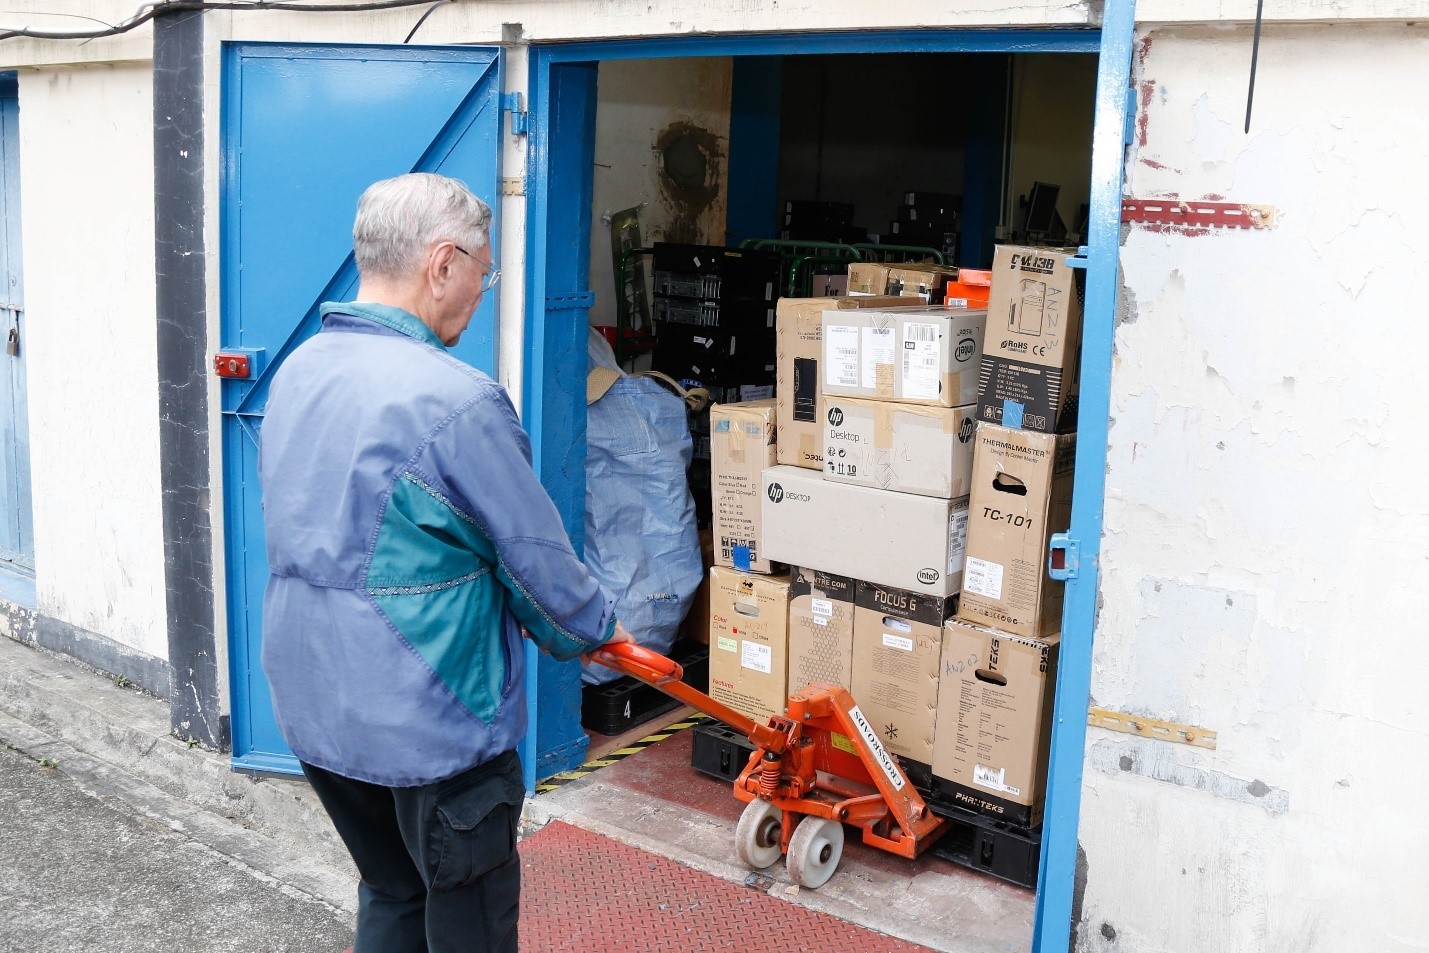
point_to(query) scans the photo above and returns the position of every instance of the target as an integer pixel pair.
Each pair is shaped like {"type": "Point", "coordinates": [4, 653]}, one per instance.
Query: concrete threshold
{"type": "Point", "coordinates": [950, 913]}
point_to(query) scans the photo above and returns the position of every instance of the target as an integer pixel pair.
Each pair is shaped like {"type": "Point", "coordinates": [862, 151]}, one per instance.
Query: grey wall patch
{"type": "Point", "coordinates": [1175, 764]}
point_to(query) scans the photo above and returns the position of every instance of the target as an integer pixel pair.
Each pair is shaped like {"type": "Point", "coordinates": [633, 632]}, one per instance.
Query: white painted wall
{"type": "Point", "coordinates": [1265, 512]}
{"type": "Point", "coordinates": [637, 101]}
{"type": "Point", "coordinates": [87, 206]}
{"type": "Point", "coordinates": [1264, 563]}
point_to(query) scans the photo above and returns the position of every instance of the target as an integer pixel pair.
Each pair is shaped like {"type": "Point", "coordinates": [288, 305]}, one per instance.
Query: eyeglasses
{"type": "Point", "coordinates": [492, 276]}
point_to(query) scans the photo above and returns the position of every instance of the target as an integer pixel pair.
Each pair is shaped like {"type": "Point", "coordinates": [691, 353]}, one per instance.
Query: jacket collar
{"type": "Point", "coordinates": [404, 322]}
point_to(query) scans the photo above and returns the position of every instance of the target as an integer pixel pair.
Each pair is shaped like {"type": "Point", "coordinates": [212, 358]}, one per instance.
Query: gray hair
{"type": "Point", "coordinates": [398, 220]}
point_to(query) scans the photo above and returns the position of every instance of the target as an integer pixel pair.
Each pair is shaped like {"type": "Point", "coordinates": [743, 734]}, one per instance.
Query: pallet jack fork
{"type": "Point", "coordinates": [815, 768]}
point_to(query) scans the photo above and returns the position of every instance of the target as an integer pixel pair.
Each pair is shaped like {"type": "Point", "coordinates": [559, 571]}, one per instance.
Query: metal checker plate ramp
{"type": "Point", "coordinates": [584, 892]}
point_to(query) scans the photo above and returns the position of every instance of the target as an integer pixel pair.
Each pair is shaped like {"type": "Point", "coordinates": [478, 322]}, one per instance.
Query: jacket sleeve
{"type": "Point", "coordinates": [482, 459]}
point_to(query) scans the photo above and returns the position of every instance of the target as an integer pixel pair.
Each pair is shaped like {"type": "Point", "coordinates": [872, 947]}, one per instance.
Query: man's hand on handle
{"type": "Point", "coordinates": [621, 635]}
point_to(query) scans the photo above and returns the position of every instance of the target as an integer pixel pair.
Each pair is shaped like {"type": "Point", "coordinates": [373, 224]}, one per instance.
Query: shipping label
{"type": "Point", "coordinates": [759, 658]}
{"type": "Point", "coordinates": [920, 361]}
{"type": "Point", "coordinates": [877, 350]}
{"type": "Point", "coordinates": [957, 540]}
{"type": "Point", "coordinates": [983, 578]}
{"type": "Point", "coordinates": [841, 356]}
{"type": "Point", "coordinates": [897, 642]}
{"type": "Point", "coordinates": [994, 778]}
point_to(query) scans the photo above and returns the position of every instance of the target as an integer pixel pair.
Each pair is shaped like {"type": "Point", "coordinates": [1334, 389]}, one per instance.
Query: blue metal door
{"type": "Point", "coordinates": [17, 545]}
{"type": "Point", "coordinates": [305, 130]}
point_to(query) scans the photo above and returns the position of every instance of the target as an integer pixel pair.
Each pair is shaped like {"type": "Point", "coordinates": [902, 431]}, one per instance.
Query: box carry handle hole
{"type": "Point", "coordinates": [987, 675]}
{"type": "Point", "coordinates": [1006, 483]}
{"type": "Point", "coordinates": [898, 625]}
{"type": "Point", "coordinates": [744, 608]}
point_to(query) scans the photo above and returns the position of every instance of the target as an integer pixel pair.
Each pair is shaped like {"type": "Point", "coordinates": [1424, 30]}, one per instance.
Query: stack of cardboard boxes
{"type": "Point", "coordinates": [863, 495]}
{"type": "Point", "coordinates": [1000, 652]}
{"type": "Point", "coordinates": [914, 453]}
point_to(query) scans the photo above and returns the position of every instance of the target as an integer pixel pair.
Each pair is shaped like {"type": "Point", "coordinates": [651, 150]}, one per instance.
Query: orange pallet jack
{"type": "Point", "coordinates": [815, 768]}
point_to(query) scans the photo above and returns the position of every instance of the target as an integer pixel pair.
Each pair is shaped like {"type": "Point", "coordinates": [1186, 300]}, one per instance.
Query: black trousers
{"type": "Point", "coordinates": [438, 863]}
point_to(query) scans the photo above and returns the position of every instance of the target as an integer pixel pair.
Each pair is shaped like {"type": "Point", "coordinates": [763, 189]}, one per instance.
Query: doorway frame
{"type": "Point", "coordinates": [547, 375]}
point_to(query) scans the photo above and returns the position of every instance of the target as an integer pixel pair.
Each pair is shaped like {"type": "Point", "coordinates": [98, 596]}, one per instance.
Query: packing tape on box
{"type": "Point", "coordinates": [732, 436]}
{"type": "Point", "coordinates": [810, 447]}
{"type": "Point", "coordinates": [884, 421]}
{"type": "Point", "coordinates": [883, 426]}
{"type": "Point", "coordinates": [883, 379]}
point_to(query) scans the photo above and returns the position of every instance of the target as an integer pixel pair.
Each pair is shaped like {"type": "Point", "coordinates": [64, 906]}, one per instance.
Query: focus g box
{"type": "Point", "coordinates": [897, 648]}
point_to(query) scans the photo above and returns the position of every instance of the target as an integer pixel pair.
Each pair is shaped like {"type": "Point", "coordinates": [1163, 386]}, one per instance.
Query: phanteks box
{"type": "Point", "coordinates": [820, 628]}
{"type": "Point", "coordinates": [1031, 355]}
{"type": "Point", "coordinates": [797, 349]}
{"type": "Point", "coordinates": [893, 539]}
{"type": "Point", "coordinates": [904, 447]}
{"type": "Point", "coordinates": [897, 645]}
{"type": "Point", "coordinates": [995, 722]}
{"type": "Point", "coordinates": [1021, 495]}
{"type": "Point", "coordinates": [918, 355]}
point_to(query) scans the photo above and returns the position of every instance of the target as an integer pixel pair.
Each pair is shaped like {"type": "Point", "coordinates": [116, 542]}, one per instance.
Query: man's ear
{"type": "Point", "coordinates": [440, 265]}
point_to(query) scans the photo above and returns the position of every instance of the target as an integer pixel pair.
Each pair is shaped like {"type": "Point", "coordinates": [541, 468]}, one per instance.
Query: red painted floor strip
{"type": "Point", "coordinates": [584, 892]}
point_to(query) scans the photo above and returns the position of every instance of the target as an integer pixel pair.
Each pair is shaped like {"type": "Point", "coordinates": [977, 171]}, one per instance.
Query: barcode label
{"type": "Point", "coordinates": [841, 356]}
{"type": "Point", "coordinates": [983, 578]}
{"type": "Point", "coordinates": [989, 777]}
{"type": "Point", "coordinates": [957, 540]}
{"type": "Point", "coordinates": [920, 361]}
{"type": "Point", "coordinates": [759, 658]}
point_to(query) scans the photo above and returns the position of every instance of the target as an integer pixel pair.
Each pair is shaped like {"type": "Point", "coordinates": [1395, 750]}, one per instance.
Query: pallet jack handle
{"type": "Point", "coordinates": [665, 673]}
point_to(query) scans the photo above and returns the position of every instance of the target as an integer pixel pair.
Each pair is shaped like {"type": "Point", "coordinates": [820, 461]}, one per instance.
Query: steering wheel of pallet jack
{"type": "Point", "coordinates": [814, 851]}
{"type": "Point", "coordinates": [756, 838]}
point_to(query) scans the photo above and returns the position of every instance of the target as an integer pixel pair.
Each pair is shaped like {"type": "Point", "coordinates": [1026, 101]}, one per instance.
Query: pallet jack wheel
{"type": "Point", "coordinates": [815, 851]}
{"type": "Point", "coordinates": [756, 837]}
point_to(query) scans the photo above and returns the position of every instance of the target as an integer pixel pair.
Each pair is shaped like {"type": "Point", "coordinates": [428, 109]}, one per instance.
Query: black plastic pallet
{"type": "Point", "coordinates": [989, 845]}
{"type": "Point", "coordinates": [719, 751]}
{"type": "Point", "coordinates": [626, 702]}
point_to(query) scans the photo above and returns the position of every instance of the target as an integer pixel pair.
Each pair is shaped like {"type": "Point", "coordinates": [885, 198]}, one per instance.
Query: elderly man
{"type": "Point", "coordinates": [409, 543]}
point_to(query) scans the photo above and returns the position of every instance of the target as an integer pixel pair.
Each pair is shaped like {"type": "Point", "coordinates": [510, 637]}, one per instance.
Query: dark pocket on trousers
{"type": "Point", "coordinates": [476, 828]}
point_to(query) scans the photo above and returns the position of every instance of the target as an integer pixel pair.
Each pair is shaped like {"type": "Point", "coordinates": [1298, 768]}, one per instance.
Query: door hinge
{"type": "Point", "coordinates": [515, 104]}
{"type": "Point", "coordinates": [571, 301]}
{"type": "Point", "coordinates": [1063, 557]}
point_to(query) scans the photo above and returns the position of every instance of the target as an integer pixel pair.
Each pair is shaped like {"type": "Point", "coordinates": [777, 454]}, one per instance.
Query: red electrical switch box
{"type": "Point", "coordinates": [232, 365]}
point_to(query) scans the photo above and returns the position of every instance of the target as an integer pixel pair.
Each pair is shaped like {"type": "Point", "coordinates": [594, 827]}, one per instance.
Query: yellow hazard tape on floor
{"type": "Point", "coordinates": [605, 761]}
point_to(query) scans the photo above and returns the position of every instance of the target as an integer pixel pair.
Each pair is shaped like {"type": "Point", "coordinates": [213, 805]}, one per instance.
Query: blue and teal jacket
{"type": "Point", "coordinates": [409, 541]}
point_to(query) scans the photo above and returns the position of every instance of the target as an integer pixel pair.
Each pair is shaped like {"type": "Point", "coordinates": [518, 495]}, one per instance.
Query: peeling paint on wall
{"type": "Point", "coordinates": [1159, 761]}
{"type": "Point", "coordinates": [1262, 554]}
